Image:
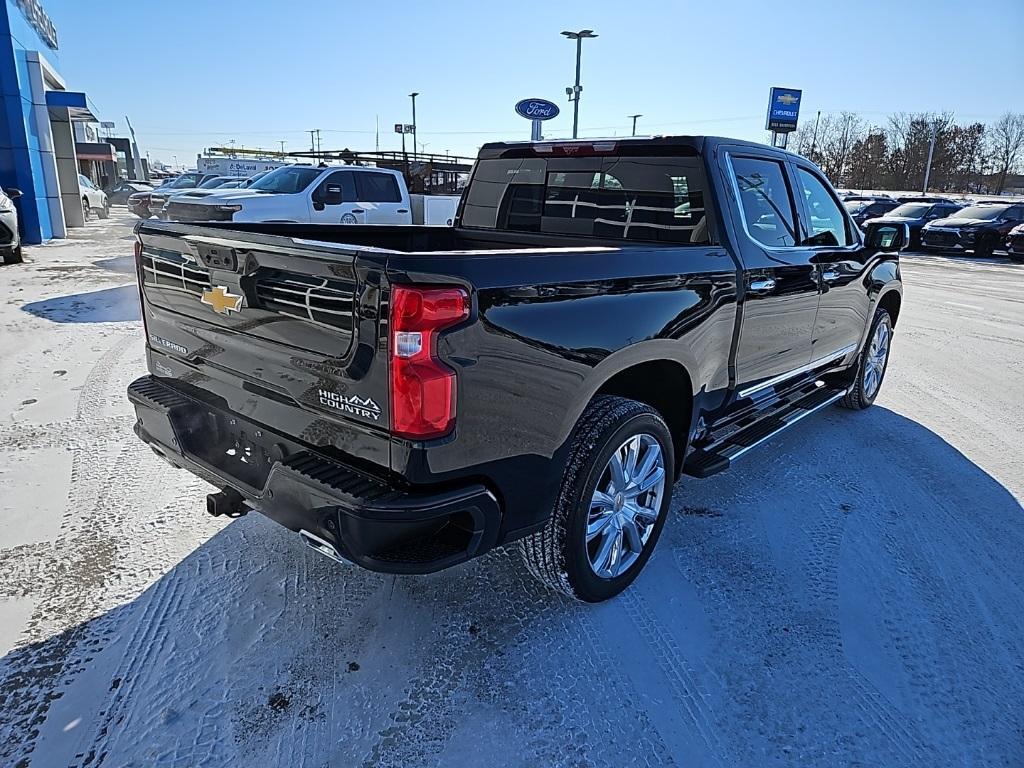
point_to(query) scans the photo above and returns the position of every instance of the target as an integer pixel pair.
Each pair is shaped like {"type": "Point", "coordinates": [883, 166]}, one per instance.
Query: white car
{"type": "Point", "coordinates": [339, 194]}
{"type": "Point", "coordinates": [93, 198]}
{"type": "Point", "coordinates": [10, 242]}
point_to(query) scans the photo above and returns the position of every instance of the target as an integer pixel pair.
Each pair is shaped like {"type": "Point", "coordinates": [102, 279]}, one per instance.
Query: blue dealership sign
{"type": "Point", "coordinates": [536, 109]}
{"type": "Point", "coordinates": [783, 109]}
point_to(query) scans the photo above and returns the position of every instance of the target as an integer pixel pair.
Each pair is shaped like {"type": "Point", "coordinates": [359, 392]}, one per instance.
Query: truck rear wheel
{"type": "Point", "coordinates": [871, 365]}
{"type": "Point", "coordinates": [612, 504]}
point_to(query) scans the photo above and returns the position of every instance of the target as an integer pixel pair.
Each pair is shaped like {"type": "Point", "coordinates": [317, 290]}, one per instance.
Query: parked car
{"type": "Point", "coordinates": [852, 197]}
{"type": "Point", "coordinates": [119, 193]}
{"type": "Point", "coordinates": [139, 202]}
{"type": "Point", "coordinates": [862, 210]}
{"type": "Point", "coordinates": [604, 317]}
{"type": "Point", "coordinates": [915, 216]}
{"type": "Point", "coordinates": [980, 228]}
{"type": "Point", "coordinates": [1015, 243]}
{"type": "Point", "coordinates": [10, 239]}
{"type": "Point", "coordinates": [94, 199]}
{"type": "Point", "coordinates": [923, 199]}
{"type": "Point", "coordinates": [158, 197]}
{"type": "Point", "coordinates": [339, 194]}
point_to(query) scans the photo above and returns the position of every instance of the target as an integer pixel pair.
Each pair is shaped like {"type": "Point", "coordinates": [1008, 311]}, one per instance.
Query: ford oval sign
{"type": "Point", "coordinates": [536, 109]}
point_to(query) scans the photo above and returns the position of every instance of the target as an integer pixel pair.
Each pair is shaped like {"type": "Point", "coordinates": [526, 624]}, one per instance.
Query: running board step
{"type": "Point", "coordinates": [716, 457]}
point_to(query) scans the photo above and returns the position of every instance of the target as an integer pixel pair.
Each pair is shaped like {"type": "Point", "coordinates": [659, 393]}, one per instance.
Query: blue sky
{"type": "Point", "coordinates": [260, 71]}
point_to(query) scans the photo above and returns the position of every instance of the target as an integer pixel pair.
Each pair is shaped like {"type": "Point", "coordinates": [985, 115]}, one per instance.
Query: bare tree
{"type": "Point", "coordinates": [1006, 145]}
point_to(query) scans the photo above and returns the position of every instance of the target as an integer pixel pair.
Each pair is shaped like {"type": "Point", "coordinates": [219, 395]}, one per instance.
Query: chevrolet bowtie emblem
{"type": "Point", "coordinates": [787, 99]}
{"type": "Point", "coordinates": [221, 300]}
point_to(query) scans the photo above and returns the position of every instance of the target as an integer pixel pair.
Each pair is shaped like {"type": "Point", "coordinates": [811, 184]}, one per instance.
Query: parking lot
{"type": "Point", "coordinates": [852, 594]}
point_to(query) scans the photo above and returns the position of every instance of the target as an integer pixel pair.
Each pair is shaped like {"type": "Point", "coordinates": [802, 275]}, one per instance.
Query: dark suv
{"type": "Point", "coordinates": [915, 216]}
{"type": "Point", "coordinates": [862, 210]}
{"type": "Point", "coordinates": [979, 228]}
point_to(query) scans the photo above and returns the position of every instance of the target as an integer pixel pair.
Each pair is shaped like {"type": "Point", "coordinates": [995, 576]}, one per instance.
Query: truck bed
{"type": "Point", "coordinates": [398, 239]}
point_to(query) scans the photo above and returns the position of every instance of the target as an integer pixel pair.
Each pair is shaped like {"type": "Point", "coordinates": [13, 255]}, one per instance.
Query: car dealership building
{"type": "Point", "coordinates": [37, 138]}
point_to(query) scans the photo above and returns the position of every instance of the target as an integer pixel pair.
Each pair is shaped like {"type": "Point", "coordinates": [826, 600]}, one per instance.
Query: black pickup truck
{"type": "Point", "coordinates": [604, 317]}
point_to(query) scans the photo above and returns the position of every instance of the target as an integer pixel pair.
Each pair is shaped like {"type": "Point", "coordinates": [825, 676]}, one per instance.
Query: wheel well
{"type": "Point", "coordinates": [665, 386]}
{"type": "Point", "coordinates": [890, 302]}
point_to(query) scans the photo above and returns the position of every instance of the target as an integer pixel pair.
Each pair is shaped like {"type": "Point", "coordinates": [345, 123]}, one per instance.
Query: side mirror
{"type": "Point", "coordinates": [13, 193]}
{"type": "Point", "coordinates": [332, 195]}
{"type": "Point", "coordinates": [887, 237]}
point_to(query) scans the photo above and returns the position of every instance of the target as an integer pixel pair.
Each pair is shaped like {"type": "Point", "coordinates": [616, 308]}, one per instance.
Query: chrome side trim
{"type": "Point", "coordinates": [797, 371]}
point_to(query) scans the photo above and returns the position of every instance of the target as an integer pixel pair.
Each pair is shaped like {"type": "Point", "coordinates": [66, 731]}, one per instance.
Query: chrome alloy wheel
{"type": "Point", "coordinates": [874, 365]}
{"type": "Point", "coordinates": [625, 506]}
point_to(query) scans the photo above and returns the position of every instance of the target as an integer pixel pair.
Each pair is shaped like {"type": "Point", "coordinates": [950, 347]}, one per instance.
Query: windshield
{"type": "Point", "coordinates": [985, 212]}
{"type": "Point", "coordinates": [183, 182]}
{"type": "Point", "coordinates": [214, 183]}
{"type": "Point", "coordinates": [286, 180]}
{"type": "Point", "coordinates": [911, 210]}
{"type": "Point", "coordinates": [856, 206]}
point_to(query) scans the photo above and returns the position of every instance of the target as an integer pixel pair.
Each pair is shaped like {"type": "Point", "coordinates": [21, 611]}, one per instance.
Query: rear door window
{"type": "Point", "coordinates": [766, 201]}
{"type": "Point", "coordinates": [373, 187]}
{"type": "Point", "coordinates": [656, 199]}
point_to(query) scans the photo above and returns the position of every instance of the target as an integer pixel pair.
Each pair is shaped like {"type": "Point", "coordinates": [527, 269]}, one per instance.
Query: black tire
{"type": "Point", "coordinates": [857, 398]}
{"type": "Point", "coordinates": [105, 212]}
{"type": "Point", "coordinates": [86, 210]}
{"type": "Point", "coordinates": [984, 246]}
{"type": "Point", "coordinates": [557, 555]}
{"type": "Point", "coordinates": [13, 256]}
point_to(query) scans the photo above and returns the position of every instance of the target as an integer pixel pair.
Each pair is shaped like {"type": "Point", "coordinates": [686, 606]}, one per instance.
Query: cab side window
{"type": "Point", "coordinates": [373, 187]}
{"type": "Point", "coordinates": [341, 179]}
{"type": "Point", "coordinates": [827, 225]}
{"type": "Point", "coordinates": [766, 201]}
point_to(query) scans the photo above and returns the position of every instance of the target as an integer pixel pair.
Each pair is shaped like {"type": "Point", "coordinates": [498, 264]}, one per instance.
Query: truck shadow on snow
{"type": "Point", "coordinates": [109, 305]}
{"type": "Point", "coordinates": [850, 594]}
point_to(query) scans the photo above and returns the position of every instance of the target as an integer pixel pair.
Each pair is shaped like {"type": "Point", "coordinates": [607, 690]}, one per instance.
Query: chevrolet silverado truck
{"type": "Point", "coordinates": [603, 318]}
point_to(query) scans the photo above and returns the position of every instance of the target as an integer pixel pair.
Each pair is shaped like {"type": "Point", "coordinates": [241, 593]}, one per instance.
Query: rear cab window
{"type": "Point", "coordinates": [644, 198]}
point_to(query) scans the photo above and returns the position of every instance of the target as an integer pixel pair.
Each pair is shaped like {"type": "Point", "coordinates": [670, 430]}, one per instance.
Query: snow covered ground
{"type": "Point", "coordinates": [851, 594]}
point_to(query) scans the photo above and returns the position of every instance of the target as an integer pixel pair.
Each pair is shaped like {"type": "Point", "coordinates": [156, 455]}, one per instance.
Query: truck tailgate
{"type": "Point", "coordinates": [285, 333]}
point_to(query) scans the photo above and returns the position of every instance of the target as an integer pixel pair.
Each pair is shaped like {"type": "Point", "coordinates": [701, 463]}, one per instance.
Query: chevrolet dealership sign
{"type": "Point", "coordinates": [39, 21]}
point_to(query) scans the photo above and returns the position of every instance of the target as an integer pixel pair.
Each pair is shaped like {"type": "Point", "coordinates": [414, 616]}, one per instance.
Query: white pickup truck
{"type": "Point", "coordinates": [323, 194]}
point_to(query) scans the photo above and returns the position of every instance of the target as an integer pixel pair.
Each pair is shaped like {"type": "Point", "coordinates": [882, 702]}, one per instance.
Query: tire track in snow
{"type": "Point", "coordinates": [69, 591]}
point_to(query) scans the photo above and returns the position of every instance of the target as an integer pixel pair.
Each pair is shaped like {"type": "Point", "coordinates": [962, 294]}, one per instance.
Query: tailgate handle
{"type": "Point", "coordinates": [214, 252]}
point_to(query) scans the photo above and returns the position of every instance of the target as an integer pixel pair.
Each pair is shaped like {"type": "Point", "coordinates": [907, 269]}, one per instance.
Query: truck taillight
{"type": "Point", "coordinates": [422, 387]}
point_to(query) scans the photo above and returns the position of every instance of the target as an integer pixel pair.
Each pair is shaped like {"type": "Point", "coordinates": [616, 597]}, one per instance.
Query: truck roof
{"type": "Point", "coordinates": [616, 144]}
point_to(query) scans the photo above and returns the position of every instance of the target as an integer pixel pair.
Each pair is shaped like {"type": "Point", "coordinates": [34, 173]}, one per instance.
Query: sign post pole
{"type": "Point", "coordinates": [535, 130]}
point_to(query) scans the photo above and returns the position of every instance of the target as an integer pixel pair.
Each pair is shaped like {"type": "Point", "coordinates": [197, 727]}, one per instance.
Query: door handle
{"type": "Point", "coordinates": [358, 210]}
{"type": "Point", "coordinates": [830, 276]}
{"type": "Point", "coordinates": [762, 286]}
{"type": "Point", "coordinates": [403, 210]}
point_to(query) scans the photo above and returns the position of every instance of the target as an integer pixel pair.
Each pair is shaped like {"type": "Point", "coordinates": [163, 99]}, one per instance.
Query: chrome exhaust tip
{"type": "Point", "coordinates": [325, 548]}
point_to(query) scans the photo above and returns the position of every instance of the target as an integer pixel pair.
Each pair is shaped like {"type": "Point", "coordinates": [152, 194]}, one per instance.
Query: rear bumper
{"type": "Point", "coordinates": [370, 521]}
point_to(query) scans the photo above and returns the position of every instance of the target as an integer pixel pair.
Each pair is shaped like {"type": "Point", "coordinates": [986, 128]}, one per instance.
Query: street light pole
{"type": "Point", "coordinates": [413, 96]}
{"type": "Point", "coordinates": [574, 92]}
{"type": "Point", "coordinates": [928, 165]}
{"type": "Point", "coordinates": [634, 122]}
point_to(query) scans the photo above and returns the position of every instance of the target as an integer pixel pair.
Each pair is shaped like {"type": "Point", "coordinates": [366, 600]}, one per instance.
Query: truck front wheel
{"type": "Point", "coordinates": [871, 365]}
{"type": "Point", "coordinates": [612, 504]}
